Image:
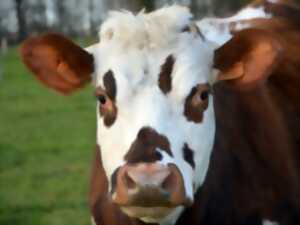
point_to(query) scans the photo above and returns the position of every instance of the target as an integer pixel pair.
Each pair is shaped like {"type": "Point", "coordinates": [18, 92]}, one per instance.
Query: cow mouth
{"type": "Point", "coordinates": [147, 214]}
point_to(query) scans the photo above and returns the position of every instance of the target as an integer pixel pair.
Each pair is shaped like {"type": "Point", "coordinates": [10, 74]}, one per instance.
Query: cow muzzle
{"type": "Point", "coordinates": [143, 189]}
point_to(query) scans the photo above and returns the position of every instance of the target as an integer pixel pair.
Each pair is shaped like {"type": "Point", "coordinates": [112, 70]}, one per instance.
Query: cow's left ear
{"type": "Point", "coordinates": [57, 62]}
{"type": "Point", "coordinates": [248, 59]}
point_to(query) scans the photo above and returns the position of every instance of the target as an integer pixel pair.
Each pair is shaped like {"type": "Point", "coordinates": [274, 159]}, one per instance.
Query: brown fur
{"type": "Point", "coordinates": [248, 59]}
{"type": "Point", "coordinates": [110, 85]}
{"type": "Point", "coordinates": [188, 155]}
{"type": "Point", "coordinates": [256, 154]}
{"type": "Point", "coordinates": [143, 149]}
{"type": "Point", "coordinates": [165, 78]}
{"type": "Point", "coordinates": [49, 59]}
{"type": "Point", "coordinates": [252, 175]}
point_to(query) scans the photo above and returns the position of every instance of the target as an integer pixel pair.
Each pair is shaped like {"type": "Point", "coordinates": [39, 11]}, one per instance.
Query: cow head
{"type": "Point", "coordinates": [155, 113]}
{"type": "Point", "coordinates": [153, 77]}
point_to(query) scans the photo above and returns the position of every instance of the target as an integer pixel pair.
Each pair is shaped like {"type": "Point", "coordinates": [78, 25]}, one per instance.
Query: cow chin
{"type": "Point", "coordinates": [147, 214]}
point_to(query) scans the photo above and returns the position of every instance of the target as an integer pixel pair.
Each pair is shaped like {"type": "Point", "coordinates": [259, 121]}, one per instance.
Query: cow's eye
{"type": "Point", "coordinates": [101, 96]}
{"type": "Point", "coordinates": [107, 107]}
{"type": "Point", "coordinates": [200, 95]}
{"type": "Point", "coordinates": [102, 99]}
{"type": "Point", "coordinates": [204, 95]}
{"type": "Point", "coordinates": [197, 102]}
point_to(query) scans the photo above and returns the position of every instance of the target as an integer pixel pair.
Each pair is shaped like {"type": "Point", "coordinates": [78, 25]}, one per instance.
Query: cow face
{"type": "Point", "coordinates": [155, 119]}
{"type": "Point", "coordinates": [154, 109]}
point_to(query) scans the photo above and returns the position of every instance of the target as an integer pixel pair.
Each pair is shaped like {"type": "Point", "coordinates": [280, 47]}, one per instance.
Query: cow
{"type": "Point", "coordinates": [197, 123]}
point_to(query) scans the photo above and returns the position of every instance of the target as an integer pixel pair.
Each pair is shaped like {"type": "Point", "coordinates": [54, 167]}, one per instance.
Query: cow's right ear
{"type": "Point", "coordinates": [57, 62]}
{"type": "Point", "coordinates": [248, 59]}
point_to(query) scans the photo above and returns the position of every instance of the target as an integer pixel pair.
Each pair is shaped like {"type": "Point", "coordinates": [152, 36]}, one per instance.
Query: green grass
{"type": "Point", "coordinates": [46, 145]}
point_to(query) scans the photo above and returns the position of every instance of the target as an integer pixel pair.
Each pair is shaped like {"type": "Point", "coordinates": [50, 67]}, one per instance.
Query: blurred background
{"type": "Point", "coordinates": [20, 18]}
{"type": "Point", "coordinates": [47, 140]}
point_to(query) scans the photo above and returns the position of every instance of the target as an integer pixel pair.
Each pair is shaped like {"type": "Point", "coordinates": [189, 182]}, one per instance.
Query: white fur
{"type": "Point", "coordinates": [218, 29]}
{"type": "Point", "coordinates": [134, 47]}
{"type": "Point", "coordinates": [141, 30]}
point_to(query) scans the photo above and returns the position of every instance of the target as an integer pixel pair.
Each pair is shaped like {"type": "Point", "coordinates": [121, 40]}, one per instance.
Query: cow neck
{"type": "Point", "coordinates": [252, 170]}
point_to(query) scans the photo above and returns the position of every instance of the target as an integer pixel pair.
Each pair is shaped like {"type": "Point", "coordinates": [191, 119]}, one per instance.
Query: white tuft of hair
{"type": "Point", "coordinates": [145, 30]}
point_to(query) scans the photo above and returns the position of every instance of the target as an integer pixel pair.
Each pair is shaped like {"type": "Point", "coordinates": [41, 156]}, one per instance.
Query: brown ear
{"type": "Point", "coordinates": [248, 59]}
{"type": "Point", "coordinates": [57, 62]}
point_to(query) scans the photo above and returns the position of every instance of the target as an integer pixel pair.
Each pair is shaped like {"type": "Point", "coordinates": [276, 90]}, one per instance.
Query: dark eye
{"type": "Point", "coordinates": [102, 99]}
{"type": "Point", "coordinates": [204, 95]}
{"type": "Point", "coordinates": [197, 102]}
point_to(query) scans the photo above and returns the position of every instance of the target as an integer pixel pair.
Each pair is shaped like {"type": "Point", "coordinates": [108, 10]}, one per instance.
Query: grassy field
{"type": "Point", "coordinates": [46, 145]}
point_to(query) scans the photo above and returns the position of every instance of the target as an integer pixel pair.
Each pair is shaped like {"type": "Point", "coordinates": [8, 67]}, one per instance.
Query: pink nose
{"type": "Point", "coordinates": [150, 185]}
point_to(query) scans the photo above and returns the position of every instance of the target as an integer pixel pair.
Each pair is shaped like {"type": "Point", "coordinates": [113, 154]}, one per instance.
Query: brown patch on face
{"type": "Point", "coordinates": [107, 107]}
{"type": "Point", "coordinates": [188, 155]}
{"type": "Point", "coordinates": [165, 79]}
{"type": "Point", "coordinates": [196, 103]}
{"type": "Point", "coordinates": [110, 85]}
{"type": "Point", "coordinates": [144, 148]}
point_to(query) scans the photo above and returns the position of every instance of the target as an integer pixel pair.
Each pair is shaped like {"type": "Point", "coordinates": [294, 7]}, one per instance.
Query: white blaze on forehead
{"type": "Point", "coordinates": [218, 29]}
{"type": "Point", "coordinates": [134, 49]}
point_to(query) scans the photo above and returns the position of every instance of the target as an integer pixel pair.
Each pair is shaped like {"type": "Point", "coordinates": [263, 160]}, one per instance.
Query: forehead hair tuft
{"type": "Point", "coordinates": [145, 30]}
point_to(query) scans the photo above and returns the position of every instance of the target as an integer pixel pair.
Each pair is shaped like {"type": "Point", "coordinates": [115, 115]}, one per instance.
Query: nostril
{"type": "Point", "coordinates": [129, 182]}
{"type": "Point", "coordinates": [168, 183]}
